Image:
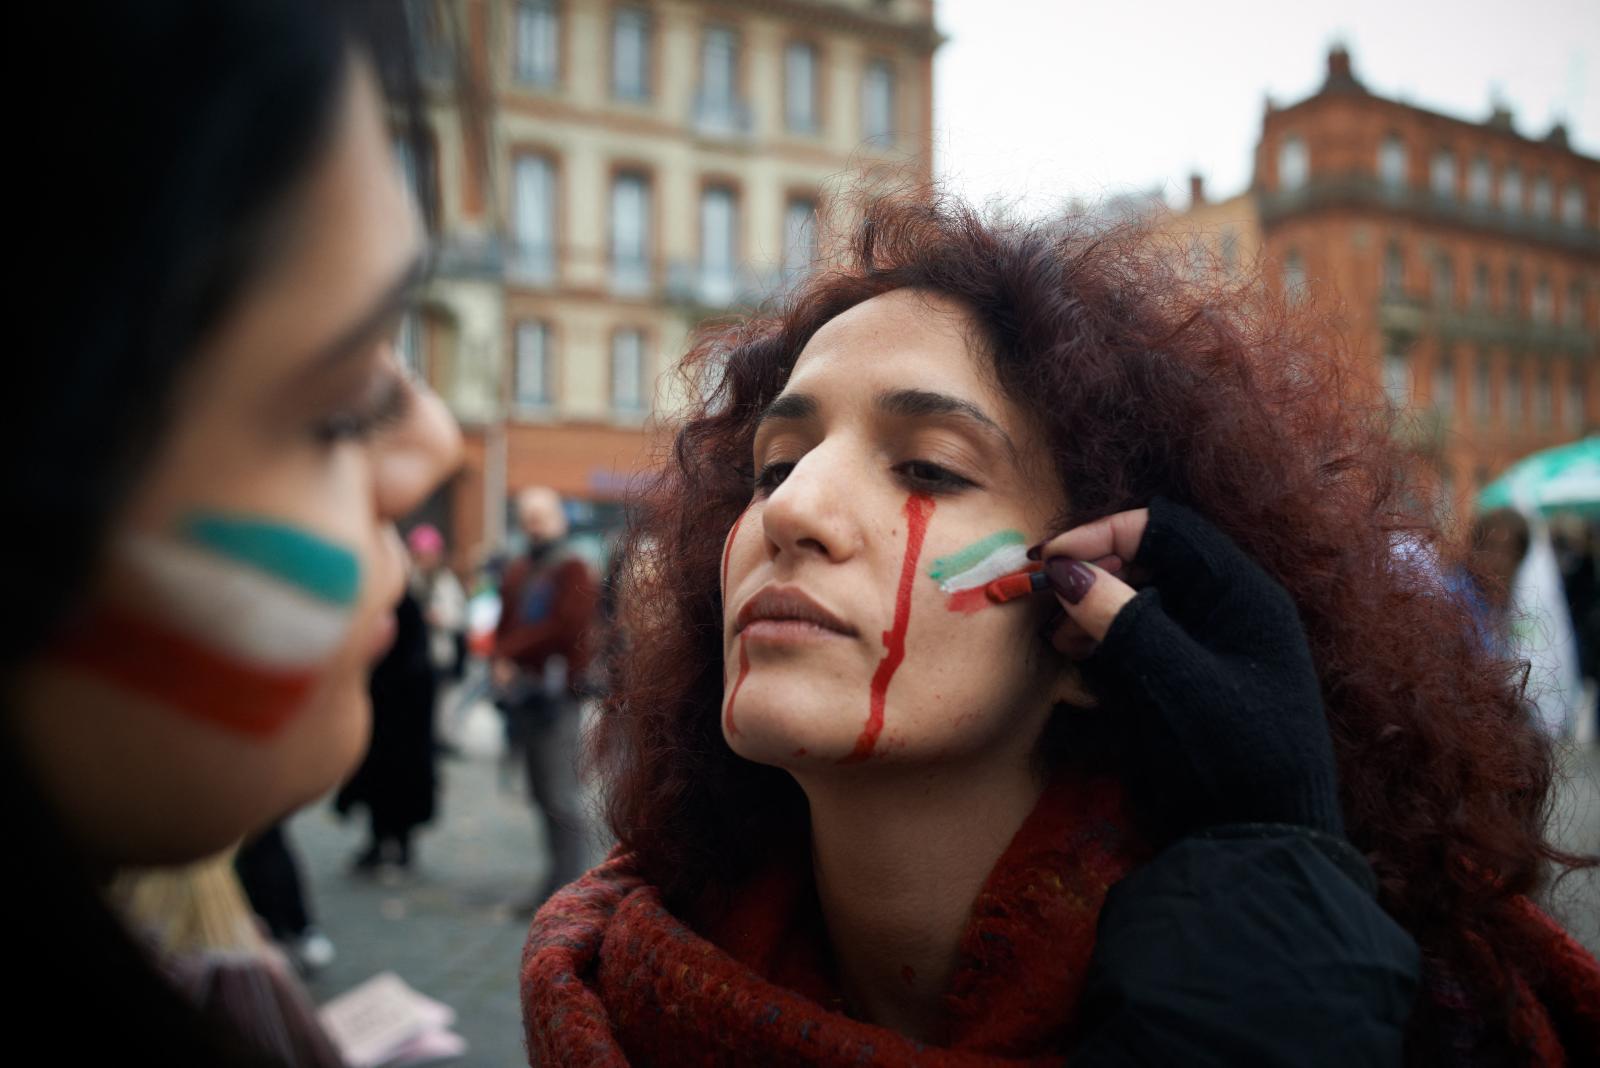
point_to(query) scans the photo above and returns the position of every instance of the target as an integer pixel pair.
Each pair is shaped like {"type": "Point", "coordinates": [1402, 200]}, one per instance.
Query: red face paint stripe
{"type": "Point", "coordinates": [967, 601]}
{"type": "Point", "coordinates": [744, 669]}
{"type": "Point", "coordinates": [919, 508]}
{"type": "Point", "coordinates": [727, 551]}
{"type": "Point", "coordinates": [183, 674]}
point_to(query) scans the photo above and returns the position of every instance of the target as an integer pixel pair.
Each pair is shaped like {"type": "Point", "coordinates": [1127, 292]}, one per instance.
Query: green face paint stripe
{"type": "Point", "coordinates": [327, 571]}
{"type": "Point", "coordinates": [955, 563]}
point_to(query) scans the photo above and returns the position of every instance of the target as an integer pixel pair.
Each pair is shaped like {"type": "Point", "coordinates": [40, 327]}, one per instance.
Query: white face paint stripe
{"type": "Point", "coordinates": [237, 609]}
{"type": "Point", "coordinates": [1005, 560]}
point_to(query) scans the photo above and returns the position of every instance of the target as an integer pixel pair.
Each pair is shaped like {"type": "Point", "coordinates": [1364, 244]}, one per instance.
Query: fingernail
{"type": "Point", "coordinates": [1036, 549]}
{"type": "Point", "coordinates": [1070, 579]}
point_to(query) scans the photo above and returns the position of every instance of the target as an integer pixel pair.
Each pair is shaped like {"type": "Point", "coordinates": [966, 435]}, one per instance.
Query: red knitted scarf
{"type": "Point", "coordinates": [610, 977]}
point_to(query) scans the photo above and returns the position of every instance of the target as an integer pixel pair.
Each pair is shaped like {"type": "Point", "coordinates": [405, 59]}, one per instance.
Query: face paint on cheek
{"type": "Point", "coordinates": [963, 575]}
{"type": "Point", "coordinates": [245, 613]}
{"type": "Point", "coordinates": [919, 508]}
{"type": "Point", "coordinates": [728, 725]}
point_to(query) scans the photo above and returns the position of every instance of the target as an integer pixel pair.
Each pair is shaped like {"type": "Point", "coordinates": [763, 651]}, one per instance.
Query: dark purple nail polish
{"type": "Point", "coordinates": [1070, 578]}
{"type": "Point", "coordinates": [1036, 549]}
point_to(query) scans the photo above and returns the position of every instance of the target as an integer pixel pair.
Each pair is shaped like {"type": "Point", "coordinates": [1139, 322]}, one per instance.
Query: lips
{"type": "Point", "coordinates": [789, 604]}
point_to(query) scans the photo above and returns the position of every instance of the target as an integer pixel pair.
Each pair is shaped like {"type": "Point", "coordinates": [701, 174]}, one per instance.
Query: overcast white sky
{"type": "Point", "coordinates": [1039, 100]}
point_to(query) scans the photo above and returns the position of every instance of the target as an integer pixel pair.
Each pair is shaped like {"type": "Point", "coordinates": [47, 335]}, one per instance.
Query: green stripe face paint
{"type": "Point", "coordinates": [320, 569]}
{"type": "Point", "coordinates": [1001, 553]}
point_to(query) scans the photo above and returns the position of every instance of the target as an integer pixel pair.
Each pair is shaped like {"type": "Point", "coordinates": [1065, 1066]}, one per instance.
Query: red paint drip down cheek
{"type": "Point", "coordinates": [728, 725]}
{"type": "Point", "coordinates": [919, 509]}
{"type": "Point", "coordinates": [744, 659]}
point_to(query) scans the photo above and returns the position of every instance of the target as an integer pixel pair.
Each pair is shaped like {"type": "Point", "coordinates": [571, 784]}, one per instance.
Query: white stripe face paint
{"type": "Point", "coordinates": [1003, 561]}
{"type": "Point", "coordinates": [237, 609]}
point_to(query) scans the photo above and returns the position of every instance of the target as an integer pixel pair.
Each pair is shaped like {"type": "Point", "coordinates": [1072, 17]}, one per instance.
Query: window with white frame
{"type": "Point", "coordinates": [799, 237]}
{"type": "Point", "coordinates": [1480, 182]}
{"type": "Point", "coordinates": [630, 233]}
{"type": "Point", "coordinates": [628, 391]}
{"type": "Point", "coordinates": [1392, 162]}
{"type": "Point", "coordinates": [1542, 200]}
{"type": "Point", "coordinates": [1544, 300]}
{"type": "Point", "coordinates": [630, 54]}
{"type": "Point", "coordinates": [800, 87]}
{"type": "Point", "coordinates": [1397, 374]}
{"type": "Point", "coordinates": [1572, 206]}
{"type": "Point", "coordinates": [1442, 174]}
{"type": "Point", "coordinates": [532, 368]}
{"type": "Point", "coordinates": [1511, 191]}
{"type": "Point", "coordinates": [533, 219]}
{"type": "Point", "coordinates": [1572, 403]}
{"type": "Point", "coordinates": [1294, 163]}
{"type": "Point", "coordinates": [538, 43]}
{"type": "Point", "coordinates": [1482, 389]}
{"type": "Point", "coordinates": [1444, 386]}
{"type": "Point", "coordinates": [877, 102]}
{"type": "Point", "coordinates": [719, 78]}
{"type": "Point", "coordinates": [1514, 394]}
{"type": "Point", "coordinates": [719, 261]}
{"type": "Point", "coordinates": [1544, 405]}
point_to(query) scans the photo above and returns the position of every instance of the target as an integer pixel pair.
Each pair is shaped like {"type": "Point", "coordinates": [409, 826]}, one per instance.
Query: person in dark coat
{"type": "Point", "coordinates": [397, 781]}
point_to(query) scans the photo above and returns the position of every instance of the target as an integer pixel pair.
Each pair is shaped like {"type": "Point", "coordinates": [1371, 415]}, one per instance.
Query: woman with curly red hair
{"type": "Point", "coordinates": [1207, 774]}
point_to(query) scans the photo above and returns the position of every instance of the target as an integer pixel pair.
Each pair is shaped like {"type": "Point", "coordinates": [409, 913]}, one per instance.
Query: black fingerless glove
{"type": "Point", "coordinates": [1211, 663]}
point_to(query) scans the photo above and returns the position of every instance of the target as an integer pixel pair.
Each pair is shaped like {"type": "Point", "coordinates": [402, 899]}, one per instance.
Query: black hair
{"type": "Point", "coordinates": [172, 136]}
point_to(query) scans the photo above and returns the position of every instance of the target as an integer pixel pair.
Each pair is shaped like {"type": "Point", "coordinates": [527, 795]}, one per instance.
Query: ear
{"type": "Point", "coordinates": [1070, 688]}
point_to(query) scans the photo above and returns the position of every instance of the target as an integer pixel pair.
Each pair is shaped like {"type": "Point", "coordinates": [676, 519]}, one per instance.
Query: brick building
{"type": "Point", "coordinates": [1463, 259]}
{"type": "Point", "coordinates": [606, 175]}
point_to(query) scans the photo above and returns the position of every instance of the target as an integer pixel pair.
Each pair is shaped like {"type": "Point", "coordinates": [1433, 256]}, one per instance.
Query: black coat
{"type": "Point", "coordinates": [396, 781]}
{"type": "Point", "coordinates": [1255, 944]}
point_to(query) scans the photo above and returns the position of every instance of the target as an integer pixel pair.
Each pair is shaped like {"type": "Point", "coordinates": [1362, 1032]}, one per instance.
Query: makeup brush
{"type": "Point", "coordinates": [1013, 587]}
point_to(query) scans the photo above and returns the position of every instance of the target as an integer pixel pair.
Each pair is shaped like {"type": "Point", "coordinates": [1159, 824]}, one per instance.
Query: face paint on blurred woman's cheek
{"type": "Point", "coordinates": [919, 509]}
{"type": "Point", "coordinates": [245, 614]}
{"type": "Point", "coordinates": [963, 575]}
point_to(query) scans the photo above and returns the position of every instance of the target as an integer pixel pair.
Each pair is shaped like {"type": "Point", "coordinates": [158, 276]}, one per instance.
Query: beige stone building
{"type": "Point", "coordinates": [608, 174]}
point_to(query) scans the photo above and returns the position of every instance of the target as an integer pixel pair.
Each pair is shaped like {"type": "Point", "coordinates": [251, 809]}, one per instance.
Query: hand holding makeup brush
{"type": "Point", "coordinates": [1211, 661]}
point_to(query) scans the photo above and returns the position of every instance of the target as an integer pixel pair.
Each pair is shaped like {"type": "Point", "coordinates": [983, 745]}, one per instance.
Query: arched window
{"type": "Point", "coordinates": [1294, 163]}
{"type": "Point", "coordinates": [1511, 191]}
{"type": "Point", "coordinates": [1392, 162]}
{"type": "Point", "coordinates": [1442, 175]}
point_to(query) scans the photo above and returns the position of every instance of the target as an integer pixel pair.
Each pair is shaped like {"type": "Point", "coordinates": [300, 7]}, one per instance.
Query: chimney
{"type": "Point", "coordinates": [1341, 75]}
{"type": "Point", "coordinates": [1558, 135]}
{"type": "Point", "coordinates": [1197, 189]}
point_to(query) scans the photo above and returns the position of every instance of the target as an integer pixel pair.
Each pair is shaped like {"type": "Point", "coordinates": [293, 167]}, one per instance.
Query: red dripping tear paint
{"type": "Point", "coordinates": [919, 507]}
{"type": "Point", "coordinates": [728, 725]}
{"type": "Point", "coordinates": [727, 550]}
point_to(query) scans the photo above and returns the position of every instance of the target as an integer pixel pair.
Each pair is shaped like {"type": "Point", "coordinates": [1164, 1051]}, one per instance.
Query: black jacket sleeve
{"type": "Point", "coordinates": [1251, 944]}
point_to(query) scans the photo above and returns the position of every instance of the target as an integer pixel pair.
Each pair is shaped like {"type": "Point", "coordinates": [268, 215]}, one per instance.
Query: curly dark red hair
{"type": "Point", "coordinates": [1222, 398]}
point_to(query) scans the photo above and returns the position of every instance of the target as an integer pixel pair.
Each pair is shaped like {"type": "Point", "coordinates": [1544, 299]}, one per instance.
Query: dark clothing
{"type": "Point", "coordinates": [396, 780]}
{"type": "Point", "coordinates": [271, 880]}
{"type": "Point", "coordinates": [1252, 944]}
{"type": "Point", "coordinates": [547, 608]}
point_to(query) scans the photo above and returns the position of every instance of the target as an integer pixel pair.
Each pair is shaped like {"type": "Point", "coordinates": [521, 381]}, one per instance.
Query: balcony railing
{"type": "Point", "coordinates": [533, 265]}
{"type": "Point", "coordinates": [1357, 190]}
{"type": "Point", "coordinates": [722, 118]}
{"type": "Point", "coordinates": [1413, 316]}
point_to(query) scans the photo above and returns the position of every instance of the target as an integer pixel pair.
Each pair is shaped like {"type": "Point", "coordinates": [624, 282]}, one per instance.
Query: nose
{"type": "Point", "coordinates": [811, 510]}
{"type": "Point", "coordinates": [414, 457]}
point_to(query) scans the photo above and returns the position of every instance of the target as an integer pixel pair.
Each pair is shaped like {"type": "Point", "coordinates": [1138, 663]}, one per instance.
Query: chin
{"type": "Point", "coordinates": [785, 733]}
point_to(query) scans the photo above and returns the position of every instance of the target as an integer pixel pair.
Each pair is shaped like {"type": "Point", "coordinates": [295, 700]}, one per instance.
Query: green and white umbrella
{"type": "Point", "coordinates": [1563, 479]}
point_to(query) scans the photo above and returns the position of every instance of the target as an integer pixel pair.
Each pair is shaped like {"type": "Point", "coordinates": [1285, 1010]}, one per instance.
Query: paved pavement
{"type": "Point", "coordinates": [449, 930]}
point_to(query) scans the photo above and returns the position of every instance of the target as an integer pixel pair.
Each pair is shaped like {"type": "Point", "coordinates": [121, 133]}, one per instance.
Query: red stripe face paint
{"type": "Point", "coordinates": [186, 675]}
{"type": "Point", "coordinates": [728, 725]}
{"type": "Point", "coordinates": [919, 508]}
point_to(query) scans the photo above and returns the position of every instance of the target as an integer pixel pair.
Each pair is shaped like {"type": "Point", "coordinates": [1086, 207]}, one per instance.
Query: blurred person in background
{"type": "Point", "coordinates": [270, 874]}
{"type": "Point", "coordinates": [1208, 777]}
{"type": "Point", "coordinates": [443, 601]}
{"type": "Point", "coordinates": [542, 648]}
{"type": "Point", "coordinates": [397, 781]}
{"type": "Point", "coordinates": [216, 442]}
{"type": "Point", "coordinates": [1499, 544]}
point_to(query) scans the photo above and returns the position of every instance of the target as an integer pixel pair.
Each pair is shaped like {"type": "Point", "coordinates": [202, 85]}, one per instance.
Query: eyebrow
{"type": "Point", "coordinates": [378, 317]}
{"type": "Point", "coordinates": [904, 403]}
